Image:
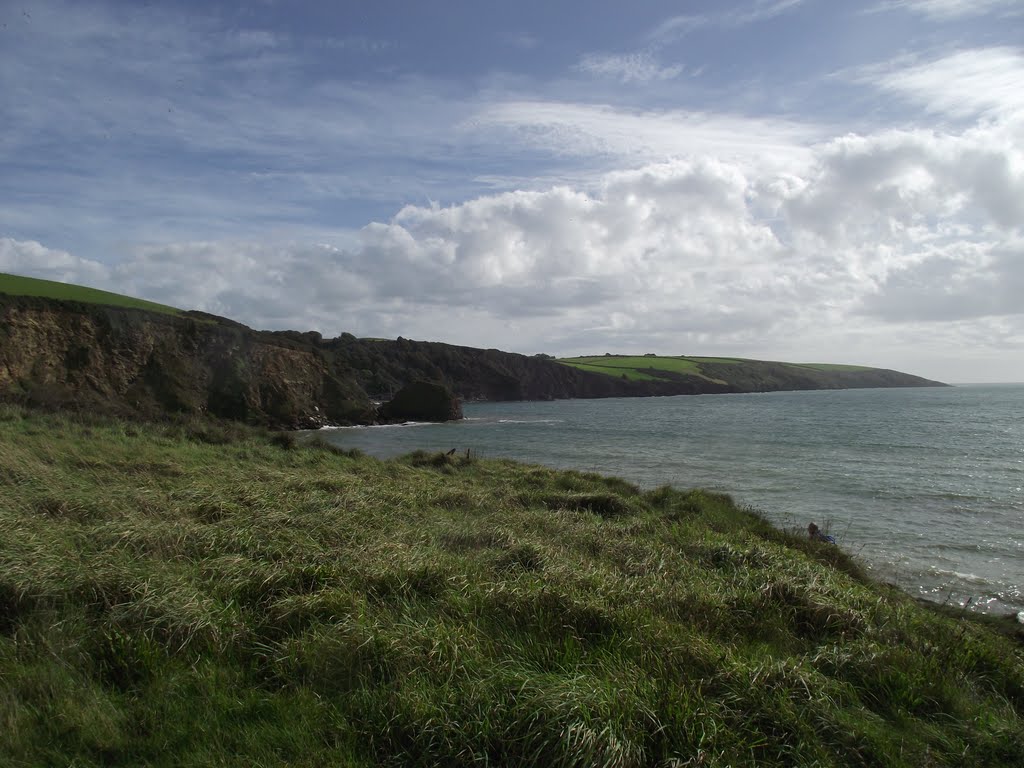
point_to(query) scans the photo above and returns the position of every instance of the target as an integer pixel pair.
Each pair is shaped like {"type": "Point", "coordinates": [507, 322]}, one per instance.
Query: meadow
{"type": "Point", "coordinates": [641, 367]}
{"type": "Point", "coordinates": [17, 285]}
{"type": "Point", "coordinates": [658, 367]}
{"type": "Point", "coordinates": [199, 593]}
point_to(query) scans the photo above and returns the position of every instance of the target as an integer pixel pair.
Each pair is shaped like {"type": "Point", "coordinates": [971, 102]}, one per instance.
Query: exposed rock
{"type": "Point", "coordinates": [62, 354]}
{"type": "Point", "coordinates": [69, 355]}
{"type": "Point", "coordinates": [422, 401]}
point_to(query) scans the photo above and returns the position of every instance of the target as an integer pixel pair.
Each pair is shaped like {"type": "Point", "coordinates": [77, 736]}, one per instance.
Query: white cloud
{"type": "Point", "coordinates": [645, 136]}
{"type": "Point", "coordinates": [948, 10]}
{"type": "Point", "coordinates": [627, 68]}
{"type": "Point", "coordinates": [749, 13]}
{"type": "Point", "coordinates": [209, 174]}
{"type": "Point", "coordinates": [984, 81]}
{"type": "Point", "coordinates": [966, 282]}
{"type": "Point", "coordinates": [33, 259]}
{"type": "Point", "coordinates": [918, 231]}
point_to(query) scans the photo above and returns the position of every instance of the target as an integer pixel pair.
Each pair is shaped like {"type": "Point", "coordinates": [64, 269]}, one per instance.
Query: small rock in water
{"type": "Point", "coordinates": [1020, 617]}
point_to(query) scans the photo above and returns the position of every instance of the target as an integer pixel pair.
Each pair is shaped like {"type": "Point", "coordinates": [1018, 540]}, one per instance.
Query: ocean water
{"type": "Point", "coordinates": [925, 486]}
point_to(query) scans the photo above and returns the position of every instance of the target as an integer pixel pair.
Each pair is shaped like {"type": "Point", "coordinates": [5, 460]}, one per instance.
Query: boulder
{"type": "Point", "coordinates": [422, 401]}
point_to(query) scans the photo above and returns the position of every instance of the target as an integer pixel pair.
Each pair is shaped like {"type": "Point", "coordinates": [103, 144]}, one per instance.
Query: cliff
{"type": "Point", "coordinates": [63, 354]}
{"type": "Point", "coordinates": [130, 361]}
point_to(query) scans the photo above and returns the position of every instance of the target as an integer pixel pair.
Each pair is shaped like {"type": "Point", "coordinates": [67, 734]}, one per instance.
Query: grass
{"type": "Point", "coordinates": [655, 368]}
{"type": "Point", "coordinates": [204, 594]}
{"type": "Point", "coordinates": [832, 367]}
{"type": "Point", "coordinates": [611, 370]}
{"type": "Point", "coordinates": [642, 368]}
{"type": "Point", "coordinates": [672, 364]}
{"type": "Point", "coordinates": [16, 285]}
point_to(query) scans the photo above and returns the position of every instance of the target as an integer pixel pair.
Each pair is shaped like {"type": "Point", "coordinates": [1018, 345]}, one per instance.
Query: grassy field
{"type": "Point", "coordinates": [16, 285]}
{"type": "Point", "coordinates": [637, 367]}
{"type": "Point", "coordinates": [833, 367]}
{"type": "Point", "coordinates": [633, 362]}
{"type": "Point", "coordinates": [197, 594]}
{"type": "Point", "coordinates": [647, 367]}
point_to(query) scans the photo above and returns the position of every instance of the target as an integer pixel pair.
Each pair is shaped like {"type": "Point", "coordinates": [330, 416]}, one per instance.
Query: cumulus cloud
{"type": "Point", "coordinates": [915, 229]}
{"type": "Point", "coordinates": [33, 259]}
{"type": "Point", "coordinates": [965, 282]}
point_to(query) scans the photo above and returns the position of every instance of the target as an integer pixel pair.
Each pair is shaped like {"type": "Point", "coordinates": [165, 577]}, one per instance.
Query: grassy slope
{"type": "Point", "coordinates": [16, 285]}
{"type": "Point", "coordinates": [194, 595]}
{"type": "Point", "coordinates": [638, 367]}
{"type": "Point", "coordinates": [646, 367]}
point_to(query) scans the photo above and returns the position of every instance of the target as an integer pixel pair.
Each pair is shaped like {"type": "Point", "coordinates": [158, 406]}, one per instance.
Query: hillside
{"type": "Point", "coordinates": [17, 285]}
{"type": "Point", "coordinates": [735, 374]}
{"type": "Point", "coordinates": [198, 595]}
{"type": "Point", "coordinates": [70, 347]}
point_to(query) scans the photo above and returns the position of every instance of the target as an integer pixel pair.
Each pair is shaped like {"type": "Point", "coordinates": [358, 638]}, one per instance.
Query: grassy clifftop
{"type": "Point", "coordinates": [17, 285]}
{"type": "Point", "coordinates": [193, 594]}
{"type": "Point", "coordinates": [736, 374]}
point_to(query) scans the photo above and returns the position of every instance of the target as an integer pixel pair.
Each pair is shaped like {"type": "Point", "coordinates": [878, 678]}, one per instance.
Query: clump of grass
{"type": "Point", "coordinates": [284, 440]}
{"type": "Point", "coordinates": [192, 594]}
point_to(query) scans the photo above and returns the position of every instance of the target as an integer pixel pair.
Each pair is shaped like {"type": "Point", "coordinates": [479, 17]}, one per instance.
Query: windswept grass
{"type": "Point", "coordinates": [16, 285]}
{"type": "Point", "coordinates": [174, 595]}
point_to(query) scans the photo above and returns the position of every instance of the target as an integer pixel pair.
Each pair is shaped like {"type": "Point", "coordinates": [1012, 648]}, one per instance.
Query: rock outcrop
{"type": "Point", "coordinates": [422, 401]}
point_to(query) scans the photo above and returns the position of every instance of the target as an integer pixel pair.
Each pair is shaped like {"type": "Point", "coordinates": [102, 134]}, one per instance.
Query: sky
{"type": "Point", "coordinates": [801, 180]}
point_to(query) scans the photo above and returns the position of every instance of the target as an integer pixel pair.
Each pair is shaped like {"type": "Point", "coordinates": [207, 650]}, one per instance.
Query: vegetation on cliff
{"type": "Point", "coordinates": [200, 594]}
{"type": "Point", "coordinates": [17, 285]}
{"type": "Point", "coordinates": [736, 374]}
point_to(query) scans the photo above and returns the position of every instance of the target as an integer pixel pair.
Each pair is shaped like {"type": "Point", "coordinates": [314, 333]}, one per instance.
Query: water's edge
{"type": "Point", "coordinates": [923, 485]}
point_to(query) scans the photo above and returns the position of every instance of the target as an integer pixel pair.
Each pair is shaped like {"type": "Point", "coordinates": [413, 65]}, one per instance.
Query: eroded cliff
{"type": "Point", "coordinates": [72, 355]}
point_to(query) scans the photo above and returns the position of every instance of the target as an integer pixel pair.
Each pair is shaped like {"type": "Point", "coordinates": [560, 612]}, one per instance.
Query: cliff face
{"type": "Point", "coordinates": [64, 354]}
{"type": "Point", "coordinates": [383, 367]}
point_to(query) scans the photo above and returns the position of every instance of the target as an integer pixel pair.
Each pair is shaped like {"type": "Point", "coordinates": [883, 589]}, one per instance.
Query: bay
{"type": "Point", "coordinates": [922, 485]}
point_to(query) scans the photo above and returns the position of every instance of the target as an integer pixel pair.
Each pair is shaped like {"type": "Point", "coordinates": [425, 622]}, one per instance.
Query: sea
{"type": "Point", "coordinates": [925, 486]}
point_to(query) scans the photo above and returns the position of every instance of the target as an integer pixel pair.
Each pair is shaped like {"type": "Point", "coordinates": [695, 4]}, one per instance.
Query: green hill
{"type": "Point", "coordinates": [16, 285]}
{"type": "Point", "coordinates": [735, 374]}
{"type": "Point", "coordinates": [194, 594]}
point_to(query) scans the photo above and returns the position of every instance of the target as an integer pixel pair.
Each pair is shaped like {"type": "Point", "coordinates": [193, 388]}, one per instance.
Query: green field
{"type": "Point", "coordinates": [610, 370]}
{"type": "Point", "coordinates": [16, 285]}
{"type": "Point", "coordinates": [638, 367]}
{"type": "Point", "coordinates": [200, 594]}
{"type": "Point", "coordinates": [674, 364]}
{"type": "Point", "coordinates": [832, 367]}
{"type": "Point", "coordinates": [647, 367]}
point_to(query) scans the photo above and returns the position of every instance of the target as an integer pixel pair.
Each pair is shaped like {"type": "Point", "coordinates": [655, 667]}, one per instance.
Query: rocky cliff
{"type": "Point", "coordinates": [88, 356]}
{"type": "Point", "coordinates": [66, 354]}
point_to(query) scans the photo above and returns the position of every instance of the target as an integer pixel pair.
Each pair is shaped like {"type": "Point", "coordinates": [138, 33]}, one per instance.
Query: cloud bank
{"type": "Point", "coordinates": [604, 201]}
{"type": "Point", "coordinates": [909, 232]}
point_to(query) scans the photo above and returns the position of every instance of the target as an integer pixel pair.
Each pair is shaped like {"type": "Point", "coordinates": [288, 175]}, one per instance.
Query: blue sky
{"type": "Point", "coordinates": [787, 179]}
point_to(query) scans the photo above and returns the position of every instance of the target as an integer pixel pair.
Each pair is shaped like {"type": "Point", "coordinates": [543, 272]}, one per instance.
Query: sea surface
{"type": "Point", "coordinates": [925, 486]}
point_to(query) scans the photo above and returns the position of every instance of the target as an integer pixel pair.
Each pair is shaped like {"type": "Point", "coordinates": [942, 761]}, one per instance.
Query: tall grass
{"type": "Point", "coordinates": [175, 596]}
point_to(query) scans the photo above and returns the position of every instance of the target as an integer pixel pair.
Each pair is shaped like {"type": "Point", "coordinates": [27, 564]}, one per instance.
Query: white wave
{"type": "Point", "coordinates": [531, 421]}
